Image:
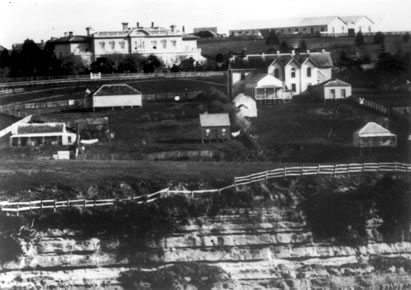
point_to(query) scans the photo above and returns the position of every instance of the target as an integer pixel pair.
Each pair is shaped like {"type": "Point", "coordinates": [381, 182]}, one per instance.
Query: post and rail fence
{"type": "Point", "coordinates": [295, 171]}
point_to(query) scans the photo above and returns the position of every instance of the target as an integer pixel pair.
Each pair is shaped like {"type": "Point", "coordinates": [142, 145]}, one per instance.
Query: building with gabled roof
{"type": "Point", "coordinates": [245, 105]}
{"type": "Point", "coordinates": [70, 44]}
{"type": "Point", "coordinates": [295, 71]}
{"type": "Point", "coordinates": [215, 127]}
{"type": "Point", "coordinates": [116, 95]}
{"type": "Point", "coordinates": [38, 134]}
{"type": "Point", "coordinates": [358, 23]}
{"type": "Point", "coordinates": [374, 135]}
{"type": "Point", "coordinates": [333, 89]}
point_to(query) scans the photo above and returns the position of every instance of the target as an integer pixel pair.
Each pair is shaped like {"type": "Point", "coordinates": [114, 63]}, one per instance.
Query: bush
{"type": "Point", "coordinates": [178, 276]}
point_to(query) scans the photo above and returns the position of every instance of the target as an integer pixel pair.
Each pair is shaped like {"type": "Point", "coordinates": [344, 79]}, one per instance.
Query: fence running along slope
{"type": "Point", "coordinates": [17, 207]}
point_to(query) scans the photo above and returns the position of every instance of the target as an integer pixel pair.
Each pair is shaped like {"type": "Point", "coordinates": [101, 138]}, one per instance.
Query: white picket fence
{"type": "Point", "coordinates": [323, 170]}
{"type": "Point", "coordinates": [24, 206]}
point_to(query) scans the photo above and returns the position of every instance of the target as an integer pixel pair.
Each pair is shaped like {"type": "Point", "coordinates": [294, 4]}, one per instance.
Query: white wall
{"type": "Point", "coordinates": [289, 80]}
{"type": "Point", "coordinates": [338, 92]}
{"type": "Point", "coordinates": [117, 101]}
{"type": "Point", "coordinates": [305, 79]}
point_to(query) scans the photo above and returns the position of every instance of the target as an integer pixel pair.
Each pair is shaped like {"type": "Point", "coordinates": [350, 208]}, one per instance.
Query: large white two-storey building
{"type": "Point", "coordinates": [289, 73]}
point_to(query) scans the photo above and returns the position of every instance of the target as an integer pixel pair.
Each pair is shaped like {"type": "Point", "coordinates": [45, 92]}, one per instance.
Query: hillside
{"type": "Point", "coordinates": [294, 233]}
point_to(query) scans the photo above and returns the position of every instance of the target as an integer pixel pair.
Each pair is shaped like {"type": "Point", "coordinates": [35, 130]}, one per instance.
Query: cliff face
{"type": "Point", "coordinates": [260, 247]}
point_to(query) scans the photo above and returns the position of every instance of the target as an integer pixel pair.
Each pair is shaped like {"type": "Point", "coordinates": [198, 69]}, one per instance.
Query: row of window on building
{"type": "Point", "coordinates": [141, 44]}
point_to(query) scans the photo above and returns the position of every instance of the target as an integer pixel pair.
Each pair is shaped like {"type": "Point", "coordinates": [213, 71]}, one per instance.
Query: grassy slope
{"type": "Point", "coordinates": [77, 90]}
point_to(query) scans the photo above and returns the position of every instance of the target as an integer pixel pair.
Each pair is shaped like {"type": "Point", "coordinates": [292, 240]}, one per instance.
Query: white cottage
{"type": "Point", "coordinates": [334, 89]}
{"type": "Point", "coordinates": [246, 106]}
{"type": "Point", "coordinates": [263, 86]}
{"type": "Point", "coordinates": [116, 95]}
{"type": "Point", "coordinates": [38, 134]}
{"type": "Point", "coordinates": [374, 135]}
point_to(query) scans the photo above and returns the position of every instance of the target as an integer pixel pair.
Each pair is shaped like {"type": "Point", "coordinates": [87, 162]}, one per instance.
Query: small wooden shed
{"type": "Point", "coordinates": [333, 89]}
{"type": "Point", "coordinates": [215, 127]}
{"type": "Point", "coordinates": [374, 135]}
{"type": "Point", "coordinates": [116, 95]}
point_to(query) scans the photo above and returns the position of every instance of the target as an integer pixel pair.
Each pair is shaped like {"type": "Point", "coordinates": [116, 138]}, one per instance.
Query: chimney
{"type": "Point", "coordinates": [138, 24]}
{"type": "Point", "coordinates": [183, 29]}
{"type": "Point", "coordinates": [173, 27]}
{"type": "Point", "coordinates": [308, 51]}
{"type": "Point", "coordinates": [293, 52]}
{"type": "Point", "coordinates": [125, 25]}
{"type": "Point", "coordinates": [66, 34]}
{"type": "Point", "coordinates": [323, 50]}
{"type": "Point", "coordinates": [152, 24]}
{"type": "Point", "coordinates": [88, 29]}
{"type": "Point", "coordinates": [70, 33]}
{"type": "Point", "coordinates": [278, 52]}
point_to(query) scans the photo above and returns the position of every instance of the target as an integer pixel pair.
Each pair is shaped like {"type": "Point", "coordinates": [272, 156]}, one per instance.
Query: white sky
{"type": "Point", "coordinates": [42, 19]}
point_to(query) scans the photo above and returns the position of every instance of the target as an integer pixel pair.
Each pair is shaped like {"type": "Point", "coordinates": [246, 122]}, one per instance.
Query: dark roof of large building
{"type": "Point", "coordinates": [258, 61]}
{"type": "Point", "coordinates": [214, 120]}
{"type": "Point", "coordinates": [71, 39]}
{"type": "Point", "coordinates": [40, 128]}
{"type": "Point", "coordinates": [116, 89]}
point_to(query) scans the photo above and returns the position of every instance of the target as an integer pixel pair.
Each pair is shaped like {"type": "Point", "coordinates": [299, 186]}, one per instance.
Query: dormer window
{"type": "Point", "coordinates": [293, 72]}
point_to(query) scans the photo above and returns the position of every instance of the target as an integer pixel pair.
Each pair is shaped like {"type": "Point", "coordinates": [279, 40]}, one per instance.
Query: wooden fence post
{"type": "Point", "coordinates": [30, 206]}
{"type": "Point", "coordinates": [266, 176]}
{"type": "Point", "coordinates": [84, 204]}
{"type": "Point", "coordinates": [55, 206]}
{"type": "Point", "coordinates": [68, 203]}
{"type": "Point", "coordinates": [335, 168]}
{"type": "Point", "coordinates": [41, 206]}
{"type": "Point", "coordinates": [235, 184]}
{"type": "Point", "coordinates": [318, 169]}
{"type": "Point", "coordinates": [285, 171]}
{"type": "Point", "coordinates": [17, 212]}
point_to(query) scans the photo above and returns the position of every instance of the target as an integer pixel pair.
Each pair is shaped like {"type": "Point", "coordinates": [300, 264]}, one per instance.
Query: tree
{"type": "Point", "coordinates": [284, 47]}
{"type": "Point", "coordinates": [73, 65]}
{"type": "Point", "coordinates": [302, 46]}
{"type": "Point", "coordinates": [187, 64]}
{"type": "Point", "coordinates": [30, 57]}
{"type": "Point", "coordinates": [272, 38]}
{"type": "Point", "coordinates": [4, 58]}
{"type": "Point", "coordinates": [406, 37]}
{"type": "Point", "coordinates": [359, 39]}
{"type": "Point", "coordinates": [379, 37]}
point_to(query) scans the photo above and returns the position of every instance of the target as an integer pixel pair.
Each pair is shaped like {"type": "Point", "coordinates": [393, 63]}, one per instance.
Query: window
{"type": "Point", "coordinates": [174, 43]}
{"type": "Point", "coordinates": [289, 29]}
{"type": "Point", "coordinates": [277, 73]}
{"type": "Point", "coordinates": [69, 139]}
{"type": "Point", "coordinates": [294, 87]}
{"type": "Point", "coordinates": [296, 30]}
{"type": "Point", "coordinates": [102, 44]}
{"type": "Point", "coordinates": [223, 132]}
{"type": "Point", "coordinates": [164, 43]}
{"type": "Point", "coordinates": [322, 28]}
{"type": "Point", "coordinates": [122, 44]}
{"type": "Point", "coordinates": [343, 93]}
{"type": "Point", "coordinates": [332, 91]}
{"type": "Point", "coordinates": [207, 132]}
{"type": "Point", "coordinates": [369, 28]}
{"type": "Point", "coordinates": [308, 72]}
{"type": "Point", "coordinates": [293, 72]}
{"type": "Point", "coordinates": [112, 44]}
{"type": "Point", "coordinates": [154, 44]}
{"type": "Point", "coordinates": [342, 28]}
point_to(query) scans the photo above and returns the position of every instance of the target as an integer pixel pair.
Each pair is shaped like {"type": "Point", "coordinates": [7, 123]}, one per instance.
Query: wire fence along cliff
{"type": "Point", "coordinates": [395, 167]}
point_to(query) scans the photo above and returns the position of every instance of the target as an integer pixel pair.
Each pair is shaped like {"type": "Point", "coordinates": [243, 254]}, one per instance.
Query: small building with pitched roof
{"type": "Point", "coordinates": [333, 89]}
{"type": "Point", "coordinates": [116, 95]}
{"type": "Point", "coordinates": [374, 135]}
{"type": "Point", "coordinates": [215, 127]}
{"type": "Point", "coordinates": [358, 23]}
{"type": "Point", "coordinates": [38, 134]}
{"type": "Point", "coordinates": [246, 106]}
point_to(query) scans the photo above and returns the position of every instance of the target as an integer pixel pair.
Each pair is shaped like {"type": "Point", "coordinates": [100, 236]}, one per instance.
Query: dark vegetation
{"type": "Point", "coordinates": [178, 276]}
{"type": "Point", "coordinates": [342, 215]}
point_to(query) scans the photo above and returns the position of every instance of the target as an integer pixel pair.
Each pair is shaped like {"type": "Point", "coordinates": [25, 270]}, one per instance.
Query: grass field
{"type": "Point", "coordinates": [77, 90]}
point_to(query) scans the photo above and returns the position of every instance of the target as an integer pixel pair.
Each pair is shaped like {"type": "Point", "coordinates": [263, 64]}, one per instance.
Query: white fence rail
{"type": "Point", "coordinates": [321, 169]}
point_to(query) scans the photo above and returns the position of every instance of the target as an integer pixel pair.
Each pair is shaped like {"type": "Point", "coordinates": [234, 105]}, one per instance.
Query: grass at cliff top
{"type": "Point", "coordinates": [19, 175]}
